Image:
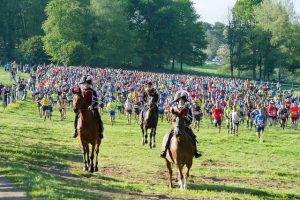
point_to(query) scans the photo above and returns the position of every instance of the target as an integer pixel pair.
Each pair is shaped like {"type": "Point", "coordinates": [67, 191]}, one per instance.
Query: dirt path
{"type": "Point", "coordinates": [9, 191]}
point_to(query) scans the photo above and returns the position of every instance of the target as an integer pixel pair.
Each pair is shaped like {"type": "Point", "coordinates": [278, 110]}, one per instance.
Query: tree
{"type": "Point", "coordinates": [112, 43]}
{"type": "Point", "coordinates": [67, 21]}
{"type": "Point", "coordinates": [19, 20]}
{"type": "Point", "coordinates": [275, 18]}
{"type": "Point", "coordinates": [32, 51]}
{"type": "Point", "coordinates": [74, 53]}
{"type": "Point", "coordinates": [215, 38]}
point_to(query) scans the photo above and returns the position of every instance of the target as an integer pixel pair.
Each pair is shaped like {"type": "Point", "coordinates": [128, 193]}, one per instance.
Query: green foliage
{"type": "Point", "coordinates": [32, 51]}
{"type": "Point", "coordinates": [66, 29]}
{"type": "Point", "coordinates": [112, 42]}
{"type": "Point", "coordinates": [19, 20]}
{"type": "Point", "coordinates": [215, 38]}
{"type": "Point", "coordinates": [74, 53]}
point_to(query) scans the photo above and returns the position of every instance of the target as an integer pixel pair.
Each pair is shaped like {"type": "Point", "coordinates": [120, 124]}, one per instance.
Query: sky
{"type": "Point", "coordinates": [216, 10]}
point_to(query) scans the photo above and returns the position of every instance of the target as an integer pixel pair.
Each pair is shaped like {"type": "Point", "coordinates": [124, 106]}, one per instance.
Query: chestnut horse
{"type": "Point", "coordinates": [181, 150]}
{"type": "Point", "coordinates": [88, 131]}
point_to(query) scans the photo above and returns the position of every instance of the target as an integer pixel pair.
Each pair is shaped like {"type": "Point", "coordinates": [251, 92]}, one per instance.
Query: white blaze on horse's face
{"type": "Point", "coordinates": [176, 131]}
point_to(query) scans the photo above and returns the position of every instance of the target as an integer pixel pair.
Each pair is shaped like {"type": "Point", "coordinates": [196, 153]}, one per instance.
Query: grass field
{"type": "Point", "coordinates": [46, 162]}
{"type": "Point", "coordinates": [4, 77]}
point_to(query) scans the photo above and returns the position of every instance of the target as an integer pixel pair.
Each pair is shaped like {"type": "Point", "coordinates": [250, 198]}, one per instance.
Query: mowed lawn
{"type": "Point", "coordinates": [46, 161]}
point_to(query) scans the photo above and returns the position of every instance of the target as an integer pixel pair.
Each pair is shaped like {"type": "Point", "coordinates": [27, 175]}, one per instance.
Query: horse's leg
{"type": "Point", "coordinates": [88, 155]}
{"type": "Point", "coordinates": [168, 164]}
{"type": "Point", "coordinates": [151, 136]}
{"type": "Point", "coordinates": [154, 134]}
{"type": "Point", "coordinates": [180, 178]}
{"type": "Point", "coordinates": [97, 155]}
{"type": "Point", "coordinates": [91, 169]}
{"type": "Point", "coordinates": [143, 133]}
{"type": "Point", "coordinates": [146, 134]}
{"type": "Point", "coordinates": [187, 174]}
{"type": "Point", "coordinates": [85, 168]}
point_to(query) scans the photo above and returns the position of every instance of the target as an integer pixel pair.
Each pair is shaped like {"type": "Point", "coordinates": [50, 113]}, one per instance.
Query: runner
{"type": "Point", "coordinates": [260, 123]}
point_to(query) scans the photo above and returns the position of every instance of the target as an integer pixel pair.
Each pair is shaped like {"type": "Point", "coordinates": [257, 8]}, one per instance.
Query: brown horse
{"type": "Point", "coordinates": [149, 120]}
{"type": "Point", "coordinates": [181, 150]}
{"type": "Point", "coordinates": [88, 131]}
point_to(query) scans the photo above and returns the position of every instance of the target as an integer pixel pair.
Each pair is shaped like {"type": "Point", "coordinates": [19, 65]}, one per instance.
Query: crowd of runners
{"type": "Point", "coordinates": [120, 92]}
{"type": "Point", "coordinates": [233, 101]}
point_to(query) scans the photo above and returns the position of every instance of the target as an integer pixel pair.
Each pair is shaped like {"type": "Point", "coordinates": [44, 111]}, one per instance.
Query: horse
{"type": "Point", "coordinates": [88, 131]}
{"type": "Point", "coordinates": [181, 150]}
{"type": "Point", "coordinates": [148, 120]}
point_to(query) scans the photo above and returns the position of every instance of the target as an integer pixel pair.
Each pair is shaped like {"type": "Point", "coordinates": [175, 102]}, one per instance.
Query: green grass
{"type": "Point", "coordinates": [208, 70]}
{"type": "Point", "coordinates": [5, 80]}
{"type": "Point", "coordinates": [46, 162]}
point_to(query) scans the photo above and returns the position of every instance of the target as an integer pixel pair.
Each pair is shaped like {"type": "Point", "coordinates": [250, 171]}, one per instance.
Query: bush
{"type": "Point", "coordinates": [74, 53]}
{"type": "Point", "coordinates": [32, 51]}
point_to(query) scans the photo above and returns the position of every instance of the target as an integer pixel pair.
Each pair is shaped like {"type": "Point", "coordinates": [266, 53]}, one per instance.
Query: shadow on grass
{"type": "Point", "coordinates": [240, 190]}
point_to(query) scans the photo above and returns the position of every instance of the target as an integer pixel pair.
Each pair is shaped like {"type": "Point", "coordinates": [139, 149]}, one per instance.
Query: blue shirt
{"type": "Point", "coordinates": [260, 121]}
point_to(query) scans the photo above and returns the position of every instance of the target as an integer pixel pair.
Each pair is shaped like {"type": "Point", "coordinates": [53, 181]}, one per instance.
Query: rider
{"type": "Point", "coordinates": [90, 97]}
{"type": "Point", "coordinates": [181, 98]}
{"type": "Point", "coordinates": [150, 92]}
{"type": "Point", "coordinates": [150, 98]}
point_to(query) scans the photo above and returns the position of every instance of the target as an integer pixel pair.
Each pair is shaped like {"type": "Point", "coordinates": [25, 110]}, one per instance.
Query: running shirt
{"type": "Point", "coordinates": [161, 106]}
{"type": "Point", "coordinates": [288, 104]}
{"type": "Point", "coordinates": [272, 111]}
{"type": "Point", "coordinates": [217, 113]}
{"type": "Point", "coordinates": [128, 105]}
{"type": "Point", "coordinates": [45, 101]}
{"type": "Point", "coordinates": [111, 106]}
{"type": "Point", "coordinates": [294, 112]}
{"type": "Point", "coordinates": [260, 121]}
{"type": "Point", "coordinates": [283, 113]}
{"type": "Point", "coordinates": [235, 116]}
{"type": "Point", "coordinates": [228, 111]}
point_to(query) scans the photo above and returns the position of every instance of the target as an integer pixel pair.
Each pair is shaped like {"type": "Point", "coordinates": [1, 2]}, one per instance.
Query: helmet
{"type": "Point", "coordinates": [181, 94]}
{"type": "Point", "coordinates": [87, 79]}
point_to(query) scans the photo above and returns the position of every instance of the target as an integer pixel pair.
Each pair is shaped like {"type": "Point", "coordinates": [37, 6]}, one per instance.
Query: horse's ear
{"type": "Point", "coordinates": [76, 90]}
{"type": "Point", "coordinates": [172, 111]}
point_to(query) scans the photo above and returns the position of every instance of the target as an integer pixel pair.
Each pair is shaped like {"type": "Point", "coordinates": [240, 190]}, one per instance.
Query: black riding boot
{"type": "Point", "coordinates": [75, 134]}
{"type": "Point", "coordinates": [164, 152]}
{"type": "Point", "coordinates": [99, 123]}
{"type": "Point", "coordinates": [197, 154]}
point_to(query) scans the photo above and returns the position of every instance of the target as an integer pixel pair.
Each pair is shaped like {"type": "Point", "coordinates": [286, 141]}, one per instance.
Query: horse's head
{"type": "Point", "coordinates": [78, 100]}
{"type": "Point", "coordinates": [178, 121]}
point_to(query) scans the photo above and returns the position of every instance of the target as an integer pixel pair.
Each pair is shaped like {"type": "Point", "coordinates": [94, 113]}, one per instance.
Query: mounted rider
{"type": "Point", "coordinates": [181, 99]}
{"type": "Point", "coordinates": [150, 96]}
{"type": "Point", "coordinates": [91, 99]}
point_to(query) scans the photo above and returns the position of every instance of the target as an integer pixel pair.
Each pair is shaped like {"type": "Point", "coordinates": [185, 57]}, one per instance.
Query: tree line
{"type": "Point", "coordinates": [260, 35]}
{"type": "Point", "coordinates": [146, 33]}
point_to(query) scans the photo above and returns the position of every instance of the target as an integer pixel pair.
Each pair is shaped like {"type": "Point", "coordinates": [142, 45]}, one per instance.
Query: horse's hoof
{"type": "Point", "coordinates": [96, 169]}
{"type": "Point", "coordinates": [91, 169]}
{"type": "Point", "coordinates": [85, 169]}
{"type": "Point", "coordinates": [153, 146]}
